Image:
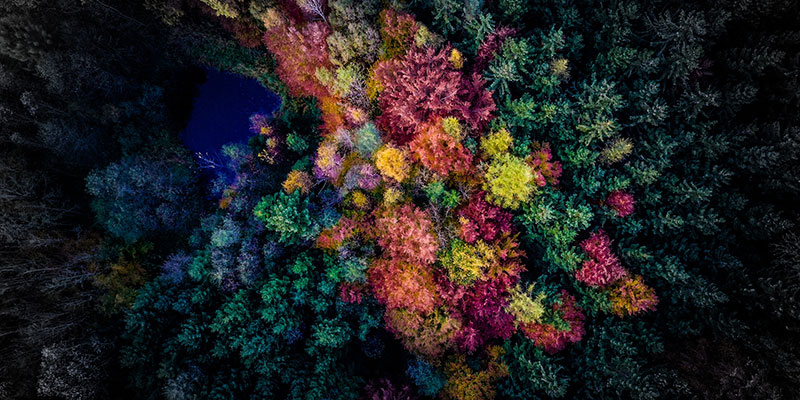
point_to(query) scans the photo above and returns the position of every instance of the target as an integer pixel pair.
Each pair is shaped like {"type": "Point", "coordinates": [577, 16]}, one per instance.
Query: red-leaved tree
{"type": "Point", "coordinates": [425, 85]}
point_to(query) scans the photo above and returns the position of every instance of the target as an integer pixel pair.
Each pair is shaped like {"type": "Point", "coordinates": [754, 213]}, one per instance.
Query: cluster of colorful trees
{"type": "Point", "coordinates": [447, 271]}
{"type": "Point", "coordinates": [463, 192]}
{"type": "Point", "coordinates": [457, 200]}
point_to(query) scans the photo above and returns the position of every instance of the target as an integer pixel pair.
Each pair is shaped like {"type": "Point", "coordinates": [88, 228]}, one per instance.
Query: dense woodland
{"type": "Point", "coordinates": [456, 199]}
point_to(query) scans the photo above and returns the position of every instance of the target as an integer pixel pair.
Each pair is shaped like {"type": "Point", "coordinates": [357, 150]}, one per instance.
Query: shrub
{"type": "Point", "coordinates": [479, 219]}
{"type": "Point", "coordinates": [368, 140]}
{"type": "Point", "coordinates": [510, 181]}
{"type": "Point", "coordinates": [525, 306]}
{"type": "Point", "coordinates": [297, 180]}
{"type": "Point", "coordinates": [465, 383]}
{"type": "Point", "coordinates": [399, 284]}
{"type": "Point", "coordinates": [466, 263]}
{"type": "Point", "coordinates": [602, 268]}
{"type": "Point", "coordinates": [417, 244]}
{"type": "Point", "coordinates": [552, 338]}
{"type": "Point", "coordinates": [630, 296]}
{"type": "Point", "coordinates": [621, 202]}
{"type": "Point", "coordinates": [423, 85]}
{"type": "Point", "coordinates": [541, 160]}
{"type": "Point", "coordinates": [392, 163]}
{"type": "Point", "coordinates": [440, 152]}
{"type": "Point", "coordinates": [288, 215]}
{"type": "Point", "coordinates": [427, 335]}
{"type": "Point", "coordinates": [397, 32]}
{"type": "Point", "coordinates": [496, 143]}
{"type": "Point", "coordinates": [327, 162]}
{"type": "Point", "coordinates": [491, 45]}
{"type": "Point", "coordinates": [300, 52]}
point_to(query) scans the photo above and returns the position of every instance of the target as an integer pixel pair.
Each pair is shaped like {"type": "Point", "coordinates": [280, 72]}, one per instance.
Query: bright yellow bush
{"type": "Point", "coordinates": [392, 163]}
{"type": "Point", "coordinates": [452, 128]}
{"type": "Point", "coordinates": [509, 181]}
{"type": "Point", "coordinates": [496, 143]}
{"type": "Point", "coordinates": [466, 263]}
{"type": "Point", "coordinates": [456, 59]}
{"type": "Point", "coordinates": [525, 306]}
{"type": "Point", "coordinates": [297, 180]}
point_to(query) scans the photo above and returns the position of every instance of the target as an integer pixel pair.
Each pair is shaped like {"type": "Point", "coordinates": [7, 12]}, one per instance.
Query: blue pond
{"type": "Point", "coordinates": [221, 113]}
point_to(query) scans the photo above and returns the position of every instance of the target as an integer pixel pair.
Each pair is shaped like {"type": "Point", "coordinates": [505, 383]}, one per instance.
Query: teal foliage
{"type": "Point", "coordinates": [427, 378]}
{"type": "Point", "coordinates": [286, 336]}
{"type": "Point", "coordinates": [368, 139]}
{"type": "Point", "coordinates": [288, 215]}
{"type": "Point", "coordinates": [532, 373]}
{"type": "Point", "coordinates": [440, 195]}
{"type": "Point", "coordinates": [296, 143]}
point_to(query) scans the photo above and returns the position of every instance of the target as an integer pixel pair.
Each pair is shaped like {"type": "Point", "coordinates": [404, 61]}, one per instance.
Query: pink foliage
{"type": "Point", "coordinates": [622, 202]}
{"type": "Point", "coordinates": [300, 52]}
{"type": "Point", "coordinates": [481, 220]}
{"type": "Point", "coordinates": [483, 310]}
{"type": "Point", "coordinates": [440, 152]}
{"type": "Point", "coordinates": [406, 234]}
{"type": "Point", "coordinates": [468, 338]}
{"type": "Point", "coordinates": [603, 267]}
{"type": "Point", "coordinates": [550, 338]}
{"type": "Point", "coordinates": [479, 107]}
{"type": "Point", "coordinates": [398, 284]}
{"type": "Point", "coordinates": [491, 44]}
{"type": "Point", "coordinates": [425, 85]}
{"type": "Point", "coordinates": [350, 292]}
{"type": "Point", "coordinates": [386, 70]}
{"type": "Point", "coordinates": [333, 238]}
{"type": "Point", "coordinates": [542, 162]}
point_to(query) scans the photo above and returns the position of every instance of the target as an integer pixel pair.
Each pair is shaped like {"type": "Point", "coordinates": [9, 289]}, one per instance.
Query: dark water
{"type": "Point", "coordinates": [221, 113]}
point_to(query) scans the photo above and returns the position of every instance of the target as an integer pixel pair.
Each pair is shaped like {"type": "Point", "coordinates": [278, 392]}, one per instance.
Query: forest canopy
{"type": "Point", "coordinates": [463, 200]}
